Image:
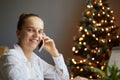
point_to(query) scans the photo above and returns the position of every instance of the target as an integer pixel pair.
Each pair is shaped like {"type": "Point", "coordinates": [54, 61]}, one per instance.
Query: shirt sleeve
{"type": "Point", "coordinates": [57, 72]}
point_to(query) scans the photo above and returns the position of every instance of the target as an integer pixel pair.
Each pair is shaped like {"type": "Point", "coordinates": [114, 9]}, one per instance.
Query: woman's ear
{"type": "Point", "coordinates": [18, 33]}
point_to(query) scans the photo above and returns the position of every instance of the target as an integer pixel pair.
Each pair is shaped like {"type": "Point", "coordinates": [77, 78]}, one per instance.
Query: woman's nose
{"type": "Point", "coordinates": [37, 34]}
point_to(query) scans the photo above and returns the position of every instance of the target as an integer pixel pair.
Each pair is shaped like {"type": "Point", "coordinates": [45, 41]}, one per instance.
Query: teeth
{"type": "Point", "coordinates": [34, 40]}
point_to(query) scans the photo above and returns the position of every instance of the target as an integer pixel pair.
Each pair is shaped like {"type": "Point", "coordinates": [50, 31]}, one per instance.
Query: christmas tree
{"type": "Point", "coordinates": [97, 36]}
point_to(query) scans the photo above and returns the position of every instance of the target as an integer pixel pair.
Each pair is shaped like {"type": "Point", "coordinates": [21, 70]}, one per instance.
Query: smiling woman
{"type": "Point", "coordinates": [31, 32]}
{"type": "Point", "coordinates": [21, 63]}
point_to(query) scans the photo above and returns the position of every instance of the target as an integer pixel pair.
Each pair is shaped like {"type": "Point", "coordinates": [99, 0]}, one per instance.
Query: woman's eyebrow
{"type": "Point", "coordinates": [41, 29]}
{"type": "Point", "coordinates": [33, 27]}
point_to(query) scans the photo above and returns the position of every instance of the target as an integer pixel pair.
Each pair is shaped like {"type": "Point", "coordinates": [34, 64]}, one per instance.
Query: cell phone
{"type": "Point", "coordinates": [41, 45]}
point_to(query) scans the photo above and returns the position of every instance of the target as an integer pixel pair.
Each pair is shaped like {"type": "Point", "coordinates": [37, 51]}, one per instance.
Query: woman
{"type": "Point", "coordinates": [21, 63]}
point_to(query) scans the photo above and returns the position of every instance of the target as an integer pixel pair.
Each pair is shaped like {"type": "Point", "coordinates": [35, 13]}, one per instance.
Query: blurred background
{"type": "Point", "coordinates": [61, 18]}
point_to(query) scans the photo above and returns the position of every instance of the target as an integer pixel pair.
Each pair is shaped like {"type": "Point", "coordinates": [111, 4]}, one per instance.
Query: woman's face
{"type": "Point", "coordinates": [31, 33]}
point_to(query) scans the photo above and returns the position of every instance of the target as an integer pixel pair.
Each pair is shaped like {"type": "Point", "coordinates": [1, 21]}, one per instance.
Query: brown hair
{"type": "Point", "coordinates": [22, 17]}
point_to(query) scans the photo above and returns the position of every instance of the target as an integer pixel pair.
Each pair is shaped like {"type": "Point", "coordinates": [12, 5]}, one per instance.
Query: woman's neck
{"type": "Point", "coordinates": [27, 52]}
{"type": "Point", "coordinates": [27, 55]}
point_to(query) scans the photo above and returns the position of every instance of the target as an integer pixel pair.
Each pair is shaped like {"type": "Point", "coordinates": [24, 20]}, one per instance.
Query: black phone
{"type": "Point", "coordinates": [41, 45]}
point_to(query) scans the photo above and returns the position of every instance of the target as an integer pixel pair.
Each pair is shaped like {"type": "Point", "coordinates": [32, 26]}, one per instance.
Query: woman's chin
{"type": "Point", "coordinates": [34, 46]}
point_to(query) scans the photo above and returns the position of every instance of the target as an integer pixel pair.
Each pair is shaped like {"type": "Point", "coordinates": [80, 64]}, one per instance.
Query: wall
{"type": "Point", "coordinates": [61, 19]}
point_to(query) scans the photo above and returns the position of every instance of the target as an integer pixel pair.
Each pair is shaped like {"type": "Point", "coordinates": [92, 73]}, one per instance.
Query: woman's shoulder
{"type": "Point", "coordinates": [9, 56]}
{"type": "Point", "coordinates": [10, 52]}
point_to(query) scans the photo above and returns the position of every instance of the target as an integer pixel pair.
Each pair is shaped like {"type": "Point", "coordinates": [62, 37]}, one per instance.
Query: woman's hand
{"type": "Point", "coordinates": [50, 47]}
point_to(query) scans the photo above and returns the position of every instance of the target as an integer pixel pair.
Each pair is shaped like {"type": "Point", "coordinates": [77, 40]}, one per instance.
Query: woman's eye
{"type": "Point", "coordinates": [30, 30]}
{"type": "Point", "coordinates": [40, 32]}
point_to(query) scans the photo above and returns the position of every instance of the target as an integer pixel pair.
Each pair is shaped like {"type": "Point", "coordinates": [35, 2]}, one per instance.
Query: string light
{"type": "Point", "coordinates": [88, 12]}
{"type": "Point", "coordinates": [84, 60]}
{"type": "Point", "coordinates": [102, 67]}
{"type": "Point", "coordinates": [111, 21]}
{"type": "Point", "coordinates": [71, 77]}
{"type": "Point", "coordinates": [103, 12]}
{"type": "Point", "coordinates": [113, 18]}
{"type": "Point", "coordinates": [99, 15]}
{"type": "Point", "coordinates": [76, 51]}
{"type": "Point", "coordinates": [94, 22]}
{"type": "Point", "coordinates": [111, 11]}
{"type": "Point", "coordinates": [77, 67]}
{"type": "Point", "coordinates": [95, 29]}
{"type": "Point", "coordinates": [90, 6]}
{"type": "Point", "coordinates": [93, 35]}
{"type": "Point", "coordinates": [73, 60]}
{"type": "Point", "coordinates": [117, 36]}
{"type": "Point", "coordinates": [84, 43]}
{"type": "Point", "coordinates": [80, 43]}
{"type": "Point", "coordinates": [98, 24]}
{"type": "Point", "coordinates": [108, 34]}
{"type": "Point", "coordinates": [103, 40]}
{"type": "Point", "coordinates": [96, 39]}
{"type": "Point", "coordinates": [103, 7]}
{"type": "Point", "coordinates": [96, 48]}
{"type": "Point", "coordinates": [81, 28]}
{"type": "Point", "coordinates": [108, 15]}
{"type": "Point", "coordinates": [81, 61]}
{"type": "Point", "coordinates": [100, 1]}
{"type": "Point", "coordinates": [94, 51]}
{"type": "Point", "coordinates": [107, 29]}
{"type": "Point", "coordinates": [73, 49]}
{"type": "Point", "coordinates": [83, 35]}
{"type": "Point", "coordinates": [109, 40]}
{"type": "Point", "coordinates": [90, 77]}
{"type": "Point", "coordinates": [98, 76]}
{"type": "Point", "coordinates": [90, 63]}
{"type": "Point", "coordinates": [108, 8]}
{"type": "Point", "coordinates": [90, 19]}
{"type": "Point", "coordinates": [87, 33]}
{"type": "Point", "coordinates": [97, 62]}
{"type": "Point", "coordinates": [95, 2]}
{"type": "Point", "coordinates": [102, 21]}
{"type": "Point", "coordinates": [80, 39]}
{"type": "Point", "coordinates": [93, 58]}
{"type": "Point", "coordinates": [81, 69]}
{"type": "Point", "coordinates": [100, 4]}
{"type": "Point", "coordinates": [105, 21]}
{"type": "Point", "coordinates": [102, 29]}
{"type": "Point", "coordinates": [93, 14]}
{"type": "Point", "coordinates": [112, 26]}
{"type": "Point", "coordinates": [85, 49]}
{"type": "Point", "coordinates": [85, 30]}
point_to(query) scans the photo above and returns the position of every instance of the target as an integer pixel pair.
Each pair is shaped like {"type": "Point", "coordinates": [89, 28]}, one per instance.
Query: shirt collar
{"type": "Point", "coordinates": [21, 54]}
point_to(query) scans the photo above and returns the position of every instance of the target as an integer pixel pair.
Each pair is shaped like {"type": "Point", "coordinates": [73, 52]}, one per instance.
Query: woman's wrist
{"type": "Point", "coordinates": [55, 53]}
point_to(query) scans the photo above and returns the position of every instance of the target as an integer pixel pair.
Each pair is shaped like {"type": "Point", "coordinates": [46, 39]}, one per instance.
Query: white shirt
{"type": "Point", "coordinates": [14, 66]}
